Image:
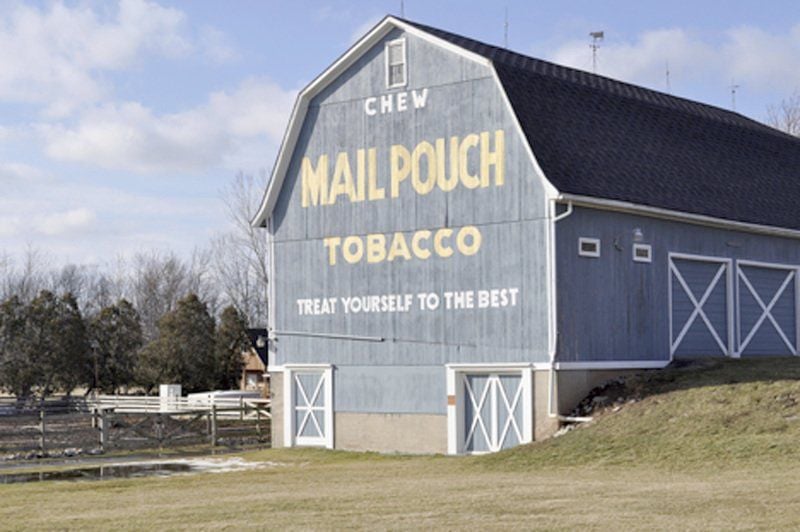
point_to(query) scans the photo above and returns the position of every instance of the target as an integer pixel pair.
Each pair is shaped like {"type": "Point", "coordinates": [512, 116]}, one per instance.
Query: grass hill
{"type": "Point", "coordinates": [711, 413]}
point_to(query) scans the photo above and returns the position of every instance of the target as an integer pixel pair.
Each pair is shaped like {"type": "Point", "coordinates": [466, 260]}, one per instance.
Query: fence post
{"type": "Point", "coordinates": [103, 426]}
{"type": "Point", "coordinates": [213, 425]}
{"type": "Point", "coordinates": [42, 447]}
{"type": "Point", "coordinates": [258, 421]}
{"type": "Point", "coordinates": [241, 408]}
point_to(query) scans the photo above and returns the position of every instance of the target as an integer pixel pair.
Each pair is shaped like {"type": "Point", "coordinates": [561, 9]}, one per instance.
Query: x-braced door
{"type": "Point", "coordinates": [766, 311]}
{"type": "Point", "coordinates": [700, 305]}
{"type": "Point", "coordinates": [493, 412]}
{"type": "Point", "coordinates": [311, 413]}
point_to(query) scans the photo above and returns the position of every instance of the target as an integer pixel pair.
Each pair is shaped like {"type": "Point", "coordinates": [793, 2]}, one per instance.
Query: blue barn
{"type": "Point", "coordinates": [464, 240]}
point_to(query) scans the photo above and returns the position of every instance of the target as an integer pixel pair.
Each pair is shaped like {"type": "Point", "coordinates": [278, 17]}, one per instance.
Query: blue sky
{"type": "Point", "coordinates": [121, 122]}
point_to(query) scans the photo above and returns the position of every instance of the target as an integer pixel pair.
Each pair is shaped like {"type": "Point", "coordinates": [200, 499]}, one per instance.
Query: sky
{"type": "Point", "coordinates": [122, 122]}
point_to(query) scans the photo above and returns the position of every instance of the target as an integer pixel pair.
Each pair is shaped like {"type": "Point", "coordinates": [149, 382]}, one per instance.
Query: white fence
{"type": "Point", "coordinates": [225, 407]}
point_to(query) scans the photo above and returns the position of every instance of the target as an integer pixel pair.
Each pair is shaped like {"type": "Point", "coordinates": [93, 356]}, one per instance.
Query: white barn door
{"type": "Point", "coordinates": [700, 306]}
{"type": "Point", "coordinates": [308, 403]}
{"type": "Point", "coordinates": [766, 310]}
{"type": "Point", "coordinates": [488, 410]}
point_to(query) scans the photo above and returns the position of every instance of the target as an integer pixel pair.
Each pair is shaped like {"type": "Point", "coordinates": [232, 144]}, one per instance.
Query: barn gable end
{"type": "Point", "coordinates": [396, 236]}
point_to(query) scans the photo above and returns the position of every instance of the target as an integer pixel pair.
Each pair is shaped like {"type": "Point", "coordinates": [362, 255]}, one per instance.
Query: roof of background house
{"type": "Point", "coordinates": [595, 136]}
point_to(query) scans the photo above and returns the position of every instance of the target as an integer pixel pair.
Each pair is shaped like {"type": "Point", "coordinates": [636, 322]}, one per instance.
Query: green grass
{"type": "Point", "coordinates": [713, 446]}
{"type": "Point", "coordinates": [702, 415]}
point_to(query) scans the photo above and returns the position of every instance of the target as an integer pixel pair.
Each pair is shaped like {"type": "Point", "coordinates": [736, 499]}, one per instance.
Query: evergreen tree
{"type": "Point", "coordinates": [115, 337]}
{"type": "Point", "coordinates": [183, 352]}
{"type": "Point", "coordinates": [17, 374]}
{"type": "Point", "coordinates": [70, 362]}
{"type": "Point", "coordinates": [231, 342]}
{"type": "Point", "coordinates": [43, 346]}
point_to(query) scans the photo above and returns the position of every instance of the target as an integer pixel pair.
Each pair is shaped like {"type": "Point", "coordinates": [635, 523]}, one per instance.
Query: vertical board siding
{"type": "Point", "coordinates": [614, 309]}
{"type": "Point", "coordinates": [405, 371]}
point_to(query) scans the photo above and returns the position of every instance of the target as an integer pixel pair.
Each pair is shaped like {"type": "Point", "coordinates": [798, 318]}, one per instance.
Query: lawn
{"type": "Point", "coordinates": [707, 448]}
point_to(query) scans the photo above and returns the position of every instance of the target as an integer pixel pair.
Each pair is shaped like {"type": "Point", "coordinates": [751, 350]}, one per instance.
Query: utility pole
{"type": "Point", "coordinates": [733, 88]}
{"type": "Point", "coordinates": [505, 30]}
{"type": "Point", "coordinates": [597, 37]}
{"type": "Point", "coordinates": [669, 85]}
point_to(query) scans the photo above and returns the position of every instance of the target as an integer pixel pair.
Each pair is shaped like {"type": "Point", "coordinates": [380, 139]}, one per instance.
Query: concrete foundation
{"type": "Point", "coordinates": [276, 396]}
{"type": "Point", "coordinates": [401, 433]}
{"type": "Point", "coordinates": [427, 433]}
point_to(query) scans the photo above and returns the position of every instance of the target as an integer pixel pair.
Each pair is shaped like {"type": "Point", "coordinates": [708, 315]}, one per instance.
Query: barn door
{"type": "Point", "coordinates": [766, 311]}
{"type": "Point", "coordinates": [493, 413]}
{"type": "Point", "coordinates": [310, 412]}
{"type": "Point", "coordinates": [700, 305]}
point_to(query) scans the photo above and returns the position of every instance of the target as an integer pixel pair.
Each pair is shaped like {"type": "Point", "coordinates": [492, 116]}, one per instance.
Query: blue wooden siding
{"type": "Point", "coordinates": [405, 372]}
{"type": "Point", "coordinates": [614, 309]}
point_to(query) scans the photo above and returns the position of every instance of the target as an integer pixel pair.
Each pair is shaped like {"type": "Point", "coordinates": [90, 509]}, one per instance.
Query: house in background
{"type": "Point", "coordinates": [254, 369]}
{"type": "Point", "coordinates": [465, 240]}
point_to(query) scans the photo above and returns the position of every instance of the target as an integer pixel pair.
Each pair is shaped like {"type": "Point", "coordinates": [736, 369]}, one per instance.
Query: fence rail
{"type": "Point", "coordinates": [104, 422]}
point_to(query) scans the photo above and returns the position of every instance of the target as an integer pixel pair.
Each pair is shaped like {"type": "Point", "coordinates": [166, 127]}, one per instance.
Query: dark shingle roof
{"type": "Point", "coordinates": [599, 137]}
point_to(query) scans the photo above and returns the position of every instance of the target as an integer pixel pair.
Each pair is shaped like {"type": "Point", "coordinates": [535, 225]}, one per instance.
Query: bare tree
{"type": "Point", "coordinates": [158, 280]}
{"type": "Point", "coordinates": [241, 260]}
{"type": "Point", "coordinates": [786, 115]}
{"type": "Point", "coordinates": [25, 278]}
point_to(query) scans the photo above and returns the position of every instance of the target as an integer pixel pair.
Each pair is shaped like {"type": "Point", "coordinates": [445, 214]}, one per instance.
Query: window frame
{"type": "Point", "coordinates": [388, 64]}
{"type": "Point", "coordinates": [637, 246]}
{"type": "Point", "coordinates": [590, 254]}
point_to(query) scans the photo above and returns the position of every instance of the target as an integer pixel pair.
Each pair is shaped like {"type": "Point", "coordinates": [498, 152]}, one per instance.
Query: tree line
{"type": "Point", "coordinates": [140, 321]}
{"type": "Point", "coordinates": [47, 345]}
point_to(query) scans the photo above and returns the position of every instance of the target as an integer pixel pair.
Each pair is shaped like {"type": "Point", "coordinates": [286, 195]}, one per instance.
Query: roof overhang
{"type": "Point", "coordinates": [678, 216]}
{"type": "Point", "coordinates": [300, 109]}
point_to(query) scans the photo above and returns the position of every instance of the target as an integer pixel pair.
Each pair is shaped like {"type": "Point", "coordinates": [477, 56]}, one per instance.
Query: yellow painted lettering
{"type": "Point", "coordinates": [468, 180]}
{"type": "Point", "coordinates": [376, 248]}
{"type": "Point", "coordinates": [342, 182]}
{"type": "Point", "coordinates": [400, 164]}
{"type": "Point", "coordinates": [416, 240]}
{"type": "Point", "coordinates": [361, 175]}
{"type": "Point", "coordinates": [438, 242]}
{"type": "Point", "coordinates": [399, 248]}
{"type": "Point", "coordinates": [494, 158]}
{"type": "Point", "coordinates": [332, 243]}
{"type": "Point", "coordinates": [353, 249]}
{"type": "Point", "coordinates": [315, 181]}
{"type": "Point", "coordinates": [421, 186]}
{"type": "Point", "coordinates": [474, 236]}
{"type": "Point", "coordinates": [375, 192]}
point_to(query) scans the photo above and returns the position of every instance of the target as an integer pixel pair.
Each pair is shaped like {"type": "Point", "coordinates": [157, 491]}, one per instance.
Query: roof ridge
{"type": "Point", "coordinates": [566, 74]}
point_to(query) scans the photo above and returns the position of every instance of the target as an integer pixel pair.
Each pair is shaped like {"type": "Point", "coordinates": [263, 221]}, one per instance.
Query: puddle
{"type": "Point", "coordinates": [136, 470]}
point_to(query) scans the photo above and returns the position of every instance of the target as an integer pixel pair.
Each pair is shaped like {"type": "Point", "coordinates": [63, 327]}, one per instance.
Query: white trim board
{"type": "Point", "coordinates": [614, 364]}
{"type": "Point", "coordinates": [679, 216]}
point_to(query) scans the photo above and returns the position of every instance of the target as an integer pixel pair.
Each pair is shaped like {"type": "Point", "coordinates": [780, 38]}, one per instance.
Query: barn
{"type": "Point", "coordinates": [465, 240]}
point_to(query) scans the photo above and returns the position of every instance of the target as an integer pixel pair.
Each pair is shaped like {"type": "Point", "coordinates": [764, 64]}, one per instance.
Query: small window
{"type": "Point", "coordinates": [642, 253]}
{"type": "Point", "coordinates": [589, 247]}
{"type": "Point", "coordinates": [396, 63]}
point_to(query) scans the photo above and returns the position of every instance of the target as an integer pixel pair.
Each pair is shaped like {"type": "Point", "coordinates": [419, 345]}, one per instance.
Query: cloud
{"type": "Point", "coordinates": [54, 56]}
{"type": "Point", "coordinates": [750, 56]}
{"type": "Point", "coordinates": [131, 137]}
{"type": "Point", "coordinates": [64, 222]}
{"type": "Point", "coordinates": [216, 46]}
{"type": "Point", "coordinates": [19, 172]}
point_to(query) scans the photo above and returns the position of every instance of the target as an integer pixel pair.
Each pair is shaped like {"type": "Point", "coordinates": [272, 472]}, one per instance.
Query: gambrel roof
{"type": "Point", "coordinates": [597, 138]}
